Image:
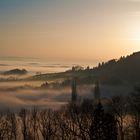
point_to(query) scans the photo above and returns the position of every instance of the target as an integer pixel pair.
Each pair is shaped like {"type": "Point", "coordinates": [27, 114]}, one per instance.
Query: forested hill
{"type": "Point", "coordinates": [126, 70]}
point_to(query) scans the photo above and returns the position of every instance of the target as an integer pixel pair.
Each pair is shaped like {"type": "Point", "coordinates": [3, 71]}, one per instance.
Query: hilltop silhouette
{"type": "Point", "coordinates": [125, 70]}
{"type": "Point", "coordinates": [15, 72]}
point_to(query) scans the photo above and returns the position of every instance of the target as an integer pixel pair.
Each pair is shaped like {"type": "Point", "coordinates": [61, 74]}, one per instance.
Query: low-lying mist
{"type": "Point", "coordinates": [23, 98]}
{"type": "Point", "coordinates": [16, 98]}
{"type": "Point", "coordinates": [16, 95]}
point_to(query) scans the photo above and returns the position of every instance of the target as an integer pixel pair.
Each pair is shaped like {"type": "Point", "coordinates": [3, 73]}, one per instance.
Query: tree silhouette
{"type": "Point", "coordinates": [74, 90]}
{"type": "Point", "coordinates": [110, 127]}
{"type": "Point", "coordinates": [24, 123]}
{"type": "Point", "coordinates": [12, 125]}
{"type": "Point", "coordinates": [96, 130]}
{"type": "Point", "coordinates": [103, 125]}
{"type": "Point", "coordinates": [97, 92]}
{"type": "Point", "coordinates": [119, 108]}
{"type": "Point", "coordinates": [47, 125]}
{"type": "Point", "coordinates": [135, 109]}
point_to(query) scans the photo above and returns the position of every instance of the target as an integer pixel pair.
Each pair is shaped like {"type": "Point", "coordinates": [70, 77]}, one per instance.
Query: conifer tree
{"type": "Point", "coordinates": [103, 125]}
{"type": "Point", "coordinates": [74, 90]}
{"type": "Point", "coordinates": [97, 91]}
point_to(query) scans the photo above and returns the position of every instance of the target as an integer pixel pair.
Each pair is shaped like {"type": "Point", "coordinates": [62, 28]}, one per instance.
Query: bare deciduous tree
{"type": "Point", "coordinates": [119, 108]}
{"type": "Point", "coordinates": [47, 125]}
{"type": "Point", "coordinates": [135, 110]}
{"type": "Point", "coordinates": [24, 123]}
{"type": "Point", "coordinates": [12, 126]}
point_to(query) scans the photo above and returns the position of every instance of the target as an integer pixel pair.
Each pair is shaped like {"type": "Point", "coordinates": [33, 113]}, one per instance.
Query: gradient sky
{"type": "Point", "coordinates": [69, 30]}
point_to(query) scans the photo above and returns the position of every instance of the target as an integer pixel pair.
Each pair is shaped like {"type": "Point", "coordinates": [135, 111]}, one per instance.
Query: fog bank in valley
{"type": "Point", "coordinates": [18, 97]}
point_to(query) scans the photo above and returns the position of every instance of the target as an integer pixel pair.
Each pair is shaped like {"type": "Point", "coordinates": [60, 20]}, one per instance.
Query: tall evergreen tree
{"type": "Point", "coordinates": [110, 127]}
{"type": "Point", "coordinates": [74, 90]}
{"type": "Point", "coordinates": [103, 125]}
{"type": "Point", "coordinates": [97, 91]}
{"type": "Point", "coordinates": [96, 129]}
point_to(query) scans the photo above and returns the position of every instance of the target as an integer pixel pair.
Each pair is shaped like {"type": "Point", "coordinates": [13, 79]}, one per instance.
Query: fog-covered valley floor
{"type": "Point", "coordinates": [17, 95]}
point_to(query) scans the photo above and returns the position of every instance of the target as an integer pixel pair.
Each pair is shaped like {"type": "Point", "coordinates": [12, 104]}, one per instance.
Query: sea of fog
{"type": "Point", "coordinates": [17, 95]}
{"type": "Point", "coordinates": [37, 65]}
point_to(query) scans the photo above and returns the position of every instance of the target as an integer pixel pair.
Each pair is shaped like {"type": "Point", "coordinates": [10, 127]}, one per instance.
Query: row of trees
{"type": "Point", "coordinates": [116, 120]}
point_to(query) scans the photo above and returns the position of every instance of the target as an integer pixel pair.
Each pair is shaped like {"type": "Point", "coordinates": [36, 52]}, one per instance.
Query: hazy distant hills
{"type": "Point", "coordinates": [126, 70]}
{"type": "Point", "coordinates": [15, 72]}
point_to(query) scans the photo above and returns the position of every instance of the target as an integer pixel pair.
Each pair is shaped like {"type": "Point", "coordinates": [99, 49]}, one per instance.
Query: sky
{"type": "Point", "coordinates": [69, 30]}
